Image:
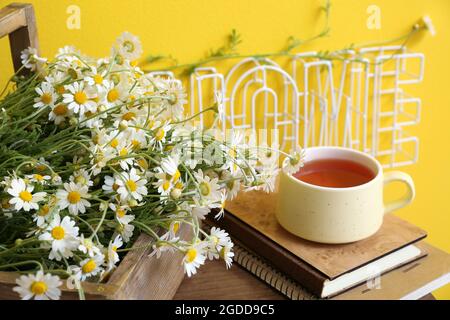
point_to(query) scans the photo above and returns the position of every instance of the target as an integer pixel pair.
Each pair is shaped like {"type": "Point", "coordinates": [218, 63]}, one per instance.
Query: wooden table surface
{"type": "Point", "coordinates": [214, 282]}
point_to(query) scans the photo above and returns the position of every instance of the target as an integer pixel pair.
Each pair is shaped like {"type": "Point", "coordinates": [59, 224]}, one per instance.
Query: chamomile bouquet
{"type": "Point", "coordinates": [93, 152]}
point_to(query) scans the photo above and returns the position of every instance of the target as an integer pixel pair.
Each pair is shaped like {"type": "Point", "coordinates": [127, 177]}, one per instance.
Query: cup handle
{"type": "Point", "coordinates": [392, 176]}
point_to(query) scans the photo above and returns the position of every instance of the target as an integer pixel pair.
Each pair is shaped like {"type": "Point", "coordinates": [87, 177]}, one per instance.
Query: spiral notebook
{"type": "Point", "coordinates": [411, 281]}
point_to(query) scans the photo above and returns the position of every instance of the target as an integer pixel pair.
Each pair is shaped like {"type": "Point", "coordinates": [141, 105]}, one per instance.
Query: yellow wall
{"type": "Point", "coordinates": [188, 28]}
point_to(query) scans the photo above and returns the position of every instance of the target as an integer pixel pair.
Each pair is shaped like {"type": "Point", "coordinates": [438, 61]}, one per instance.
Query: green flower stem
{"type": "Point", "coordinates": [22, 263]}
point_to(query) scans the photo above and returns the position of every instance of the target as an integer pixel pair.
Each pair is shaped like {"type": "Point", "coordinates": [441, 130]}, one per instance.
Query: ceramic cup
{"type": "Point", "coordinates": [338, 215]}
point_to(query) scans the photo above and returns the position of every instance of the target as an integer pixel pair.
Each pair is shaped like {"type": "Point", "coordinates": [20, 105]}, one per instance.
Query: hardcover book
{"type": "Point", "coordinates": [326, 270]}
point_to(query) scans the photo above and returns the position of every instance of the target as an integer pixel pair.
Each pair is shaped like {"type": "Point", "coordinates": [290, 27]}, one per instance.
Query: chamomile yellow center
{"type": "Point", "coordinates": [230, 184]}
{"type": "Point", "coordinates": [38, 177]}
{"type": "Point", "coordinates": [179, 185]}
{"type": "Point", "coordinates": [143, 163]}
{"type": "Point", "coordinates": [58, 233]}
{"type": "Point", "coordinates": [131, 185]}
{"type": "Point", "coordinates": [73, 197]}
{"type": "Point", "coordinates": [46, 98]}
{"type": "Point", "coordinates": [135, 143]}
{"type": "Point", "coordinates": [191, 254]}
{"type": "Point", "coordinates": [295, 159]}
{"type": "Point", "coordinates": [173, 99]}
{"type": "Point", "coordinates": [160, 134]}
{"type": "Point", "coordinates": [26, 196]}
{"type": "Point", "coordinates": [129, 46]}
{"type": "Point", "coordinates": [205, 188]}
{"type": "Point", "coordinates": [114, 142]}
{"type": "Point", "coordinates": [89, 266]}
{"type": "Point", "coordinates": [60, 89]}
{"type": "Point", "coordinates": [166, 185]}
{"type": "Point", "coordinates": [120, 213]}
{"type": "Point", "coordinates": [80, 179]}
{"type": "Point", "coordinates": [44, 211]}
{"type": "Point", "coordinates": [176, 227]}
{"type": "Point", "coordinates": [114, 248]}
{"type": "Point", "coordinates": [113, 95]}
{"type": "Point", "coordinates": [98, 79]}
{"type": "Point", "coordinates": [41, 167]}
{"type": "Point", "coordinates": [115, 77]}
{"type": "Point", "coordinates": [38, 287]}
{"type": "Point", "coordinates": [6, 204]}
{"type": "Point", "coordinates": [123, 152]}
{"type": "Point", "coordinates": [80, 97]}
{"type": "Point", "coordinates": [176, 176]}
{"type": "Point", "coordinates": [223, 252]}
{"type": "Point", "coordinates": [129, 116]}
{"type": "Point", "coordinates": [214, 240]}
{"type": "Point", "coordinates": [60, 110]}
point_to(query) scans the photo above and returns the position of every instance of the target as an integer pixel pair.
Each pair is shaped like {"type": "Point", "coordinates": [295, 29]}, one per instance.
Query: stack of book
{"type": "Point", "coordinates": [395, 263]}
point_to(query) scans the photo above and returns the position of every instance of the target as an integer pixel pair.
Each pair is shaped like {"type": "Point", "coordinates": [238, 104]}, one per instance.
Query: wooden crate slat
{"type": "Point", "coordinates": [18, 21]}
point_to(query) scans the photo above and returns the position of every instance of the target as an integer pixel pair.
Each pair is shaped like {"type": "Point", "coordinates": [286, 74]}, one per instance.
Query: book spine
{"type": "Point", "coordinates": [279, 258]}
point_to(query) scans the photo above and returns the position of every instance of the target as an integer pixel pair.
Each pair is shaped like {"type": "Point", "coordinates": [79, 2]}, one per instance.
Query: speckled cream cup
{"type": "Point", "coordinates": [338, 215]}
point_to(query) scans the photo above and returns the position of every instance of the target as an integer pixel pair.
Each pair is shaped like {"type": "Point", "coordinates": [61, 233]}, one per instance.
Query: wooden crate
{"type": "Point", "coordinates": [137, 275]}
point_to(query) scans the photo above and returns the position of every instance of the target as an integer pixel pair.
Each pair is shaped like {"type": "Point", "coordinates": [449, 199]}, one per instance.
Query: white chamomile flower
{"type": "Point", "coordinates": [170, 166]}
{"type": "Point", "coordinates": [194, 257]}
{"type": "Point", "coordinates": [63, 237]}
{"type": "Point", "coordinates": [428, 23]}
{"type": "Point", "coordinates": [96, 78]}
{"type": "Point", "coordinates": [102, 155]}
{"type": "Point", "coordinates": [176, 99]}
{"type": "Point", "coordinates": [43, 215]}
{"type": "Point", "coordinates": [227, 255]}
{"type": "Point", "coordinates": [159, 135]}
{"type": "Point", "coordinates": [47, 96]}
{"type": "Point", "coordinates": [40, 286]}
{"type": "Point", "coordinates": [219, 237]}
{"type": "Point", "coordinates": [208, 188]}
{"type": "Point", "coordinates": [268, 155]}
{"type": "Point", "coordinates": [81, 177]}
{"type": "Point", "coordinates": [126, 229]}
{"type": "Point", "coordinates": [67, 51]}
{"type": "Point", "coordinates": [123, 150]}
{"type": "Point", "coordinates": [129, 46]}
{"type": "Point", "coordinates": [89, 267]}
{"type": "Point", "coordinates": [163, 184]}
{"type": "Point", "coordinates": [110, 185]}
{"type": "Point", "coordinates": [38, 178]}
{"type": "Point", "coordinates": [159, 248]}
{"type": "Point", "coordinates": [232, 183]}
{"type": "Point", "coordinates": [294, 162]}
{"type": "Point", "coordinates": [31, 60]}
{"type": "Point", "coordinates": [59, 113]}
{"type": "Point", "coordinates": [121, 213]}
{"type": "Point", "coordinates": [200, 212]}
{"type": "Point", "coordinates": [217, 240]}
{"type": "Point", "coordinates": [219, 97]}
{"type": "Point", "coordinates": [172, 234]}
{"type": "Point", "coordinates": [73, 197]}
{"type": "Point", "coordinates": [88, 247]}
{"type": "Point", "coordinates": [220, 205]}
{"type": "Point", "coordinates": [130, 114]}
{"type": "Point", "coordinates": [267, 178]}
{"type": "Point", "coordinates": [22, 196]}
{"type": "Point", "coordinates": [112, 256]}
{"type": "Point", "coordinates": [113, 94]}
{"type": "Point", "coordinates": [79, 98]}
{"type": "Point", "coordinates": [131, 186]}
